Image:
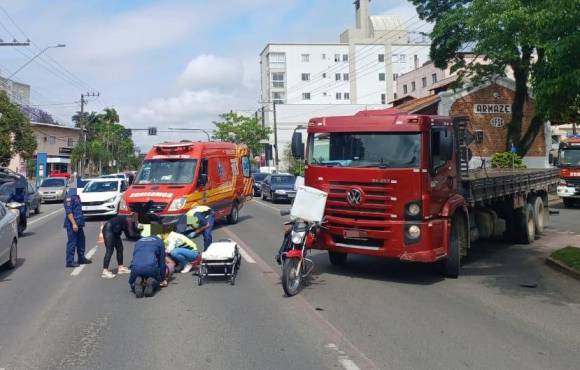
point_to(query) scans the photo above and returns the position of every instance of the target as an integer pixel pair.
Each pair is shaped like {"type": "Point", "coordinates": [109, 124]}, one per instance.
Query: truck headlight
{"type": "Point", "coordinates": [413, 232]}
{"type": "Point", "coordinates": [280, 191]}
{"type": "Point", "coordinates": [177, 204]}
{"type": "Point", "coordinates": [413, 211]}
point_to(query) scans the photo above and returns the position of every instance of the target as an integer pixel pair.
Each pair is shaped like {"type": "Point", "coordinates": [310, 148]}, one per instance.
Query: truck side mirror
{"type": "Point", "coordinates": [297, 145]}
{"type": "Point", "coordinates": [202, 180]}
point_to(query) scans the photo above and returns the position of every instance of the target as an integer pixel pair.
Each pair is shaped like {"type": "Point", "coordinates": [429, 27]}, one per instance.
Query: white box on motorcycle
{"type": "Point", "coordinates": [309, 204]}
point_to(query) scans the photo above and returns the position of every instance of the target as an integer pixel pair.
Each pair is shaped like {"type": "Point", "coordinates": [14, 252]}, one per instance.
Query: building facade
{"type": "Point", "coordinates": [18, 93]}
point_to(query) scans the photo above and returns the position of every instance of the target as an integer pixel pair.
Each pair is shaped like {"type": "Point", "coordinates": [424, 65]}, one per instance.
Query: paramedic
{"type": "Point", "coordinates": [74, 222]}
{"type": "Point", "coordinates": [201, 220]}
{"type": "Point", "coordinates": [181, 249]}
{"type": "Point", "coordinates": [112, 236]}
{"type": "Point", "coordinates": [147, 266]}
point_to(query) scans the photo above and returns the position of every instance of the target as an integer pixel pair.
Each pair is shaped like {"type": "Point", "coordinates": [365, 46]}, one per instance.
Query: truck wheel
{"type": "Point", "coordinates": [525, 228]}
{"type": "Point", "coordinates": [337, 258]}
{"type": "Point", "coordinates": [457, 247]}
{"type": "Point", "coordinates": [539, 214]}
{"type": "Point", "coordinates": [568, 202]}
{"type": "Point", "coordinates": [234, 215]}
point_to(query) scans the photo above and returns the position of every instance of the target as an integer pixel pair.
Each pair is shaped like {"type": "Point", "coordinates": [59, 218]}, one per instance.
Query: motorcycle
{"type": "Point", "coordinates": [296, 268]}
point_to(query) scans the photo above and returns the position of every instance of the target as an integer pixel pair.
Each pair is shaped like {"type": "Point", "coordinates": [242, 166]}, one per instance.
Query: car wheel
{"type": "Point", "coordinates": [273, 197]}
{"type": "Point", "coordinates": [37, 210]}
{"type": "Point", "coordinates": [13, 255]}
{"type": "Point", "coordinates": [263, 196]}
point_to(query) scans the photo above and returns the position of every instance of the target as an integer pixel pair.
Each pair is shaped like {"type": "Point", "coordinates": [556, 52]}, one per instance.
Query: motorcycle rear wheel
{"type": "Point", "coordinates": [291, 277]}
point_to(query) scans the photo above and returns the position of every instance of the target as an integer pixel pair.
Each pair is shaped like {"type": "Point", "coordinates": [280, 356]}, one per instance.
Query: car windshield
{"type": "Point", "coordinates": [167, 171]}
{"type": "Point", "coordinates": [52, 183]}
{"type": "Point", "coordinates": [118, 176]}
{"type": "Point", "coordinates": [284, 180]}
{"type": "Point", "coordinates": [384, 150]}
{"type": "Point", "coordinates": [569, 157]}
{"type": "Point", "coordinates": [101, 186]}
{"type": "Point", "coordinates": [259, 176]}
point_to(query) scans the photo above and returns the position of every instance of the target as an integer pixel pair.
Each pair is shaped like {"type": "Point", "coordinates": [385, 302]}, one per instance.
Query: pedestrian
{"type": "Point", "coordinates": [181, 249]}
{"type": "Point", "coordinates": [147, 266]}
{"type": "Point", "coordinates": [200, 220]}
{"type": "Point", "coordinates": [74, 223]}
{"type": "Point", "coordinates": [112, 231]}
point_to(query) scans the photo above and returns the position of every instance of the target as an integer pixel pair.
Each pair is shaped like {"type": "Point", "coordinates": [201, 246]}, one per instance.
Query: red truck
{"type": "Point", "coordinates": [569, 163]}
{"type": "Point", "coordinates": [399, 187]}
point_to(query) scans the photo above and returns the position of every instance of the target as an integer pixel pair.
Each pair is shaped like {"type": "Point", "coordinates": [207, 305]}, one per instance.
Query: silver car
{"type": "Point", "coordinates": [8, 237]}
{"type": "Point", "coordinates": [53, 189]}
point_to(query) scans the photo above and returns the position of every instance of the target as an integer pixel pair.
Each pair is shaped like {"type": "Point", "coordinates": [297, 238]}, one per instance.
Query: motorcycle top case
{"type": "Point", "coordinates": [309, 204]}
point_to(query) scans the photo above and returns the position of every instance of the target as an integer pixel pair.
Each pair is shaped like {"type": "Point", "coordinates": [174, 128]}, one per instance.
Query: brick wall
{"type": "Point", "coordinates": [495, 138]}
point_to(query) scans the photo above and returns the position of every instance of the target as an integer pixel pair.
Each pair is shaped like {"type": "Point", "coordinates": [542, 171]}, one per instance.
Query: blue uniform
{"type": "Point", "coordinates": [148, 260]}
{"type": "Point", "coordinates": [72, 205]}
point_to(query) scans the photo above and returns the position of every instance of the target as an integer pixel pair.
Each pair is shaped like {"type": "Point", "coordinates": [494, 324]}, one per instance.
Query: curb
{"type": "Point", "coordinates": [557, 265]}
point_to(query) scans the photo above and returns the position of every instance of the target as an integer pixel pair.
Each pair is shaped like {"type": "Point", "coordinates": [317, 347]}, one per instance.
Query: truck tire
{"type": "Point", "coordinates": [568, 202]}
{"type": "Point", "coordinates": [540, 214]}
{"type": "Point", "coordinates": [337, 258]}
{"type": "Point", "coordinates": [458, 241]}
{"type": "Point", "coordinates": [524, 225]}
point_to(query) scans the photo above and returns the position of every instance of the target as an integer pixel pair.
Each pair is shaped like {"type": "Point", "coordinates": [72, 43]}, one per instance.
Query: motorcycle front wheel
{"type": "Point", "coordinates": [291, 277]}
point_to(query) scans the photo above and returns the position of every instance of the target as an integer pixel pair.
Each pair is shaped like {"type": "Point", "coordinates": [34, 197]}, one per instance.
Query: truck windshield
{"type": "Point", "coordinates": [569, 157]}
{"type": "Point", "coordinates": [167, 171]}
{"type": "Point", "coordinates": [384, 150]}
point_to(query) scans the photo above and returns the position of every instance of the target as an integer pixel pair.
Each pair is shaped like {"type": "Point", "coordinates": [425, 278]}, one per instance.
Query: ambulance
{"type": "Point", "coordinates": [177, 176]}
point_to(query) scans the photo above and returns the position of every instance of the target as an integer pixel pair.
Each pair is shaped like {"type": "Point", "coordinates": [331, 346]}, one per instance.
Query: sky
{"type": "Point", "coordinates": [168, 64]}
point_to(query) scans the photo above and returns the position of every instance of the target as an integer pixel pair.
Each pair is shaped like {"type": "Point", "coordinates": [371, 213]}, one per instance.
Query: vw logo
{"type": "Point", "coordinates": [354, 197]}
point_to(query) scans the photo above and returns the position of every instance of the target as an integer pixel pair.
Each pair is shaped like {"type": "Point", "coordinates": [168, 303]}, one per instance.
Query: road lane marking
{"type": "Point", "coordinates": [348, 364]}
{"type": "Point", "coordinates": [269, 206]}
{"type": "Point", "coordinates": [246, 256]}
{"type": "Point", "coordinates": [45, 216]}
{"type": "Point", "coordinates": [78, 270]}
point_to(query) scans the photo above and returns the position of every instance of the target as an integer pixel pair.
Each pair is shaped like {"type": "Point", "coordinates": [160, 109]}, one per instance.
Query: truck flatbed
{"type": "Point", "coordinates": [493, 183]}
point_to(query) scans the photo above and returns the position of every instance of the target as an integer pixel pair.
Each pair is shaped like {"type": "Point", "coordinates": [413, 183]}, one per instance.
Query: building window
{"type": "Point", "coordinates": [394, 58]}
{"type": "Point", "coordinates": [306, 96]}
{"type": "Point", "coordinates": [346, 96]}
{"type": "Point", "coordinates": [424, 81]}
{"type": "Point", "coordinates": [277, 58]}
{"type": "Point", "coordinates": [305, 76]}
{"type": "Point", "coordinates": [345, 57]}
{"type": "Point", "coordinates": [323, 56]}
{"type": "Point", "coordinates": [381, 76]}
{"type": "Point", "coordinates": [434, 77]}
{"type": "Point", "coordinates": [405, 89]}
{"type": "Point", "coordinates": [383, 98]}
{"type": "Point", "coordinates": [381, 58]}
{"type": "Point", "coordinates": [337, 76]}
{"type": "Point", "coordinates": [395, 76]}
{"type": "Point", "coordinates": [403, 58]}
{"type": "Point", "coordinates": [338, 96]}
{"type": "Point", "coordinates": [395, 96]}
{"type": "Point", "coordinates": [51, 140]}
{"type": "Point", "coordinates": [70, 142]}
{"type": "Point", "coordinates": [413, 86]}
{"type": "Point", "coordinates": [278, 97]}
{"type": "Point", "coordinates": [345, 76]}
{"type": "Point", "coordinates": [324, 75]}
{"type": "Point", "coordinates": [337, 58]}
{"type": "Point", "coordinates": [306, 58]}
{"type": "Point", "coordinates": [278, 79]}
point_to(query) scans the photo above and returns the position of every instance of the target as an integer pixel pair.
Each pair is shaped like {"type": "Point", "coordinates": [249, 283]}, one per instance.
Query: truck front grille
{"type": "Point", "coordinates": [376, 205]}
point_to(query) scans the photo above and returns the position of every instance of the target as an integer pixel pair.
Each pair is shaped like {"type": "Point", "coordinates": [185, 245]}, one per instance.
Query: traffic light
{"type": "Point", "coordinates": [152, 131]}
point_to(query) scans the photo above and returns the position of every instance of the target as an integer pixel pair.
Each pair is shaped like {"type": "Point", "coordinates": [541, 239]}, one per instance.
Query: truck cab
{"type": "Point", "coordinates": [569, 163]}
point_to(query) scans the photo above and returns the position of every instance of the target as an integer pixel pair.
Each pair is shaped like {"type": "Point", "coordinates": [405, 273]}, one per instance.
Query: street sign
{"type": "Point", "coordinates": [152, 131]}
{"type": "Point", "coordinates": [63, 150]}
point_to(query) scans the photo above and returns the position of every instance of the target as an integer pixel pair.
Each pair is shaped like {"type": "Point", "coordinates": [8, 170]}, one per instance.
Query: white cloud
{"type": "Point", "coordinates": [210, 71]}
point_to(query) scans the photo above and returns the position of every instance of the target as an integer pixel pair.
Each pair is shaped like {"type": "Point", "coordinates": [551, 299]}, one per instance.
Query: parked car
{"type": "Point", "coordinates": [14, 190]}
{"type": "Point", "coordinates": [258, 178]}
{"type": "Point", "coordinates": [101, 197]}
{"type": "Point", "coordinates": [278, 187]}
{"type": "Point", "coordinates": [34, 200]}
{"type": "Point", "coordinates": [8, 237]}
{"type": "Point", "coordinates": [115, 176]}
{"type": "Point", "coordinates": [53, 189]}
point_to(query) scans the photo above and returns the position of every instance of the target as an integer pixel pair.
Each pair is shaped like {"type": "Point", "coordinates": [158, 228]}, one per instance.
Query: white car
{"type": "Point", "coordinates": [101, 197]}
{"type": "Point", "coordinates": [8, 237]}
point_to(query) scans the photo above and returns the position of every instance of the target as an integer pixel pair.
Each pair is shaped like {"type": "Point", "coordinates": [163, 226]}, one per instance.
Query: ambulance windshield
{"type": "Point", "coordinates": [167, 171]}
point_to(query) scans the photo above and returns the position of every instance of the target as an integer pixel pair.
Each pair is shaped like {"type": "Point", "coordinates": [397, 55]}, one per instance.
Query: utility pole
{"type": "Point", "coordinates": [275, 139]}
{"type": "Point", "coordinates": [263, 117]}
{"type": "Point", "coordinates": [83, 131]}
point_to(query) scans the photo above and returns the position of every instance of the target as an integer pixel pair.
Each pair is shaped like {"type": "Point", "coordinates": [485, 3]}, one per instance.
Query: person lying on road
{"type": "Point", "coordinates": [147, 266]}
{"type": "Point", "coordinates": [182, 249]}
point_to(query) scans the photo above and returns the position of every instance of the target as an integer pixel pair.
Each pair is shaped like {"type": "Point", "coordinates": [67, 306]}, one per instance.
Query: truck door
{"type": "Point", "coordinates": [441, 169]}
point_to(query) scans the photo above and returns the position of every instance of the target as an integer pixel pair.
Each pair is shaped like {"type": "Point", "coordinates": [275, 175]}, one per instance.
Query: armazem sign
{"type": "Point", "coordinates": [492, 108]}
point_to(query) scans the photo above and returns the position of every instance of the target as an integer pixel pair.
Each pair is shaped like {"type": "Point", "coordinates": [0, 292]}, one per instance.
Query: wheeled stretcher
{"type": "Point", "coordinates": [221, 258]}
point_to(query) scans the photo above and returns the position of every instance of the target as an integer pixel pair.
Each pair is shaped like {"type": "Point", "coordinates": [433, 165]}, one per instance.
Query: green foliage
{"type": "Point", "coordinates": [108, 147]}
{"type": "Point", "coordinates": [507, 160]}
{"type": "Point", "coordinates": [538, 39]}
{"type": "Point", "coordinates": [569, 255]}
{"type": "Point", "coordinates": [16, 136]}
{"type": "Point", "coordinates": [294, 166]}
{"type": "Point", "coordinates": [236, 128]}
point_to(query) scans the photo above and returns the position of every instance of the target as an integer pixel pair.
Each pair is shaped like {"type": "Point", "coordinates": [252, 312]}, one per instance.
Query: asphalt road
{"type": "Point", "coordinates": [507, 311]}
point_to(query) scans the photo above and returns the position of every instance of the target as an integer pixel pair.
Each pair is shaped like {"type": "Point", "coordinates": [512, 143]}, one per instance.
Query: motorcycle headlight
{"type": "Point", "coordinates": [280, 191]}
{"type": "Point", "coordinates": [177, 204]}
{"type": "Point", "coordinates": [298, 236]}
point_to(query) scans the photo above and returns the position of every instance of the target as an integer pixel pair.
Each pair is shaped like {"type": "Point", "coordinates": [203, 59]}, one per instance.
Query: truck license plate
{"type": "Point", "coordinates": [348, 234]}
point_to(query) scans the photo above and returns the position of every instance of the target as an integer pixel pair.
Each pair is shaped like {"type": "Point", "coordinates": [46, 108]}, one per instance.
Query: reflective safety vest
{"type": "Point", "coordinates": [192, 219]}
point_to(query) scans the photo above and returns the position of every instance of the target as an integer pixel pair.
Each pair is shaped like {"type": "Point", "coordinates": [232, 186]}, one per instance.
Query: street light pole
{"type": "Point", "coordinates": [34, 57]}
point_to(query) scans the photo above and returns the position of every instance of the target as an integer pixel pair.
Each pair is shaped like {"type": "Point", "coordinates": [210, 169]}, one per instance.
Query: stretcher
{"type": "Point", "coordinates": [222, 259]}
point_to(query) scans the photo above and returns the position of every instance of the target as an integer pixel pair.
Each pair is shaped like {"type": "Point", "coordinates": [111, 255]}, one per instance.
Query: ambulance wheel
{"type": "Point", "coordinates": [234, 215]}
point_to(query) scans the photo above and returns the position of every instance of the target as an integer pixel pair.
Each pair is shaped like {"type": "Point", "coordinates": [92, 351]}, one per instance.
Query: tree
{"type": "Point", "coordinates": [236, 128]}
{"type": "Point", "coordinates": [16, 136]}
{"type": "Point", "coordinates": [507, 33]}
{"type": "Point", "coordinates": [294, 166]}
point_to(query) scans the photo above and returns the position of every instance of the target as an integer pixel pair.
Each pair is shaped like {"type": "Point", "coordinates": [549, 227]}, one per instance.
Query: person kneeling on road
{"type": "Point", "coordinates": [200, 220]}
{"type": "Point", "coordinates": [181, 249]}
{"type": "Point", "coordinates": [112, 236]}
{"type": "Point", "coordinates": [147, 266]}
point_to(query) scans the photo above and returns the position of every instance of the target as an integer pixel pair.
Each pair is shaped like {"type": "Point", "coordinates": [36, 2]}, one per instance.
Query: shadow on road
{"type": "Point", "coordinates": [5, 273]}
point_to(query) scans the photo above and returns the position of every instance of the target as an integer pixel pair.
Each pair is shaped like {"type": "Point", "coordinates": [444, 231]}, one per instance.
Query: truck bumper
{"type": "Point", "coordinates": [392, 242]}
